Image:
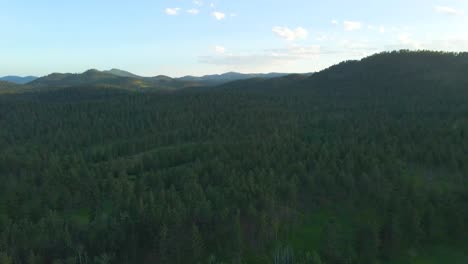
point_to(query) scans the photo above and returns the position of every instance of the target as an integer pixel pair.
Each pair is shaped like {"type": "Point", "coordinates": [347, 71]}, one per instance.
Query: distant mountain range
{"type": "Point", "coordinates": [116, 78]}
{"type": "Point", "coordinates": [18, 79]}
{"type": "Point", "coordinates": [217, 79]}
{"type": "Point", "coordinates": [111, 79]}
{"type": "Point", "coordinates": [410, 73]}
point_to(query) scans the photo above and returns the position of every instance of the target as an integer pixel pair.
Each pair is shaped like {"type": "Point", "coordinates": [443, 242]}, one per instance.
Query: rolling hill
{"type": "Point", "coordinates": [90, 77]}
{"type": "Point", "coordinates": [109, 79]}
{"type": "Point", "coordinates": [374, 74]}
{"type": "Point", "coordinates": [122, 73]}
{"type": "Point", "coordinates": [8, 87]}
{"type": "Point", "coordinates": [217, 79]}
{"type": "Point", "coordinates": [18, 79]}
{"type": "Point", "coordinates": [120, 79]}
{"type": "Point", "coordinates": [407, 72]}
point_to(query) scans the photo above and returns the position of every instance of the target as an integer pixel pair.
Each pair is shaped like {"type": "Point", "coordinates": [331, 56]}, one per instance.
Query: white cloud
{"type": "Point", "coordinates": [265, 58]}
{"type": "Point", "coordinates": [193, 11]}
{"type": "Point", "coordinates": [220, 49]}
{"type": "Point", "coordinates": [219, 15]}
{"type": "Point", "coordinates": [198, 3]}
{"type": "Point", "coordinates": [303, 52]}
{"type": "Point", "coordinates": [380, 29]}
{"type": "Point", "coordinates": [452, 43]}
{"type": "Point", "coordinates": [446, 10]}
{"type": "Point", "coordinates": [335, 22]}
{"type": "Point", "coordinates": [172, 11]}
{"type": "Point", "coordinates": [290, 34]}
{"type": "Point", "coordinates": [352, 25]}
{"type": "Point", "coordinates": [455, 43]}
{"type": "Point", "coordinates": [321, 37]}
{"type": "Point", "coordinates": [404, 38]}
{"type": "Point", "coordinates": [356, 48]}
{"type": "Point", "coordinates": [407, 40]}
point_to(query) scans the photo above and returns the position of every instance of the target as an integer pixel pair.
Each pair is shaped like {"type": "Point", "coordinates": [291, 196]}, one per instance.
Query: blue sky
{"type": "Point", "coordinates": [181, 37]}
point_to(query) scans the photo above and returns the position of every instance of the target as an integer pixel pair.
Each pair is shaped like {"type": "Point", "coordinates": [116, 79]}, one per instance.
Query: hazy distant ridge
{"type": "Point", "coordinates": [18, 79]}
{"type": "Point", "coordinates": [116, 78]}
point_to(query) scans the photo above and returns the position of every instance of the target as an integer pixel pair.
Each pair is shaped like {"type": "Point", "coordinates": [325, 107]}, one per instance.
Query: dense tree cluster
{"type": "Point", "coordinates": [230, 175]}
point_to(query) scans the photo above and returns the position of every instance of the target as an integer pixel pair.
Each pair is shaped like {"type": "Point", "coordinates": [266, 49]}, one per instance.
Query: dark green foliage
{"type": "Point", "coordinates": [367, 243]}
{"type": "Point", "coordinates": [226, 175]}
{"type": "Point", "coordinates": [198, 246]}
{"type": "Point", "coordinates": [315, 258]}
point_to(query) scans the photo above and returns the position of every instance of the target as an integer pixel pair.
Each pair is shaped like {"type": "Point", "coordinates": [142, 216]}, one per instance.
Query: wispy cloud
{"type": "Point", "coordinates": [298, 52]}
{"type": "Point", "coordinates": [290, 34]}
{"type": "Point", "coordinates": [446, 10]}
{"type": "Point", "coordinates": [220, 49]}
{"type": "Point", "coordinates": [172, 11]}
{"type": "Point", "coordinates": [352, 25]}
{"type": "Point", "coordinates": [404, 38]}
{"type": "Point", "coordinates": [219, 15]}
{"type": "Point", "coordinates": [193, 11]}
{"type": "Point", "coordinates": [198, 3]}
{"type": "Point", "coordinates": [355, 48]}
{"type": "Point", "coordinates": [407, 40]}
{"type": "Point", "coordinates": [453, 43]}
{"type": "Point", "coordinates": [322, 37]}
{"type": "Point", "coordinates": [264, 58]}
{"type": "Point", "coordinates": [382, 29]}
{"type": "Point", "coordinates": [450, 43]}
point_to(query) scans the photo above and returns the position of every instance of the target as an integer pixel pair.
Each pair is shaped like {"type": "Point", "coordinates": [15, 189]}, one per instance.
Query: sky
{"type": "Point", "coordinates": [198, 37]}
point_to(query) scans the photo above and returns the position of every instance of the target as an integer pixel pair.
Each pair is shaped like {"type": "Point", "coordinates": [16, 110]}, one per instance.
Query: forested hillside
{"type": "Point", "coordinates": [114, 79]}
{"type": "Point", "coordinates": [365, 162]}
{"type": "Point", "coordinates": [119, 79]}
{"type": "Point", "coordinates": [8, 87]}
